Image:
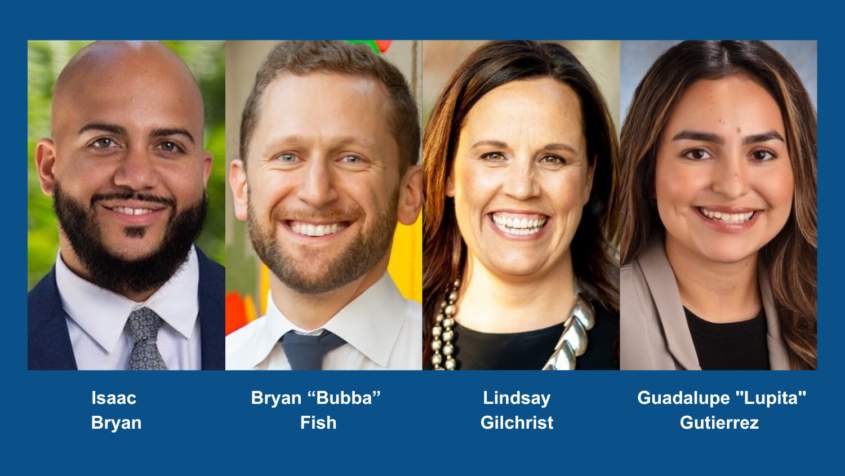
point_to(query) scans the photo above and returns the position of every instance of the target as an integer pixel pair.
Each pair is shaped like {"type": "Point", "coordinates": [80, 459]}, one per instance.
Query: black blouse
{"type": "Point", "coordinates": [530, 350]}
{"type": "Point", "coordinates": [730, 346]}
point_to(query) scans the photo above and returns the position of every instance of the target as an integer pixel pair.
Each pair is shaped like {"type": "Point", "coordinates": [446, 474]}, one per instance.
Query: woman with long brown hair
{"type": "Point", "coordinates": [719, 221]}
{"type": "Point", "coordinates": [520, 161]}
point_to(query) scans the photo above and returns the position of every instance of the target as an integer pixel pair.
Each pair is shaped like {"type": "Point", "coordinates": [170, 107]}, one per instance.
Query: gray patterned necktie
{"type": "Point", "coordinates": [144, 325]}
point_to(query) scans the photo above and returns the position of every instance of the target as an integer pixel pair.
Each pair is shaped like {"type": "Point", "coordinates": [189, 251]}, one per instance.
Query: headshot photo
{"type": "Point", "coordinates": [121, 187]}
{"type": "Point", "coordinates": [719, 212]}
{"type": "Point", "coordinates": [326, 192]}
{"type": "Point", "coordinates": [520, 231]}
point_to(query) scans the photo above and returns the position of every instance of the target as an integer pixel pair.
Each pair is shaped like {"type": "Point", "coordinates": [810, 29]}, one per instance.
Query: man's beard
{"type": "Point", "coordinates": [121, 275]}
{"type": "Point", "coordinates": [357, 259]}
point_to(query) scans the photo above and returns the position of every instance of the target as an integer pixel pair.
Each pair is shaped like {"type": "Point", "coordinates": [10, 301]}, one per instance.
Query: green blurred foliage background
{"type": "Point", "coordinates": [45, 60]}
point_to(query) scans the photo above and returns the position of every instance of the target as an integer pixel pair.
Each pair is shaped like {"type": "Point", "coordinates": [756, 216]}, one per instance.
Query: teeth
{"type": "Point", "coordinates": [132, 211]}
{"type": "Point", "coordinates": [316, 230]}
{"type": "Point", "coordinates": [518, 226]}
{"type": "Point", "coordinates": [727, 217]}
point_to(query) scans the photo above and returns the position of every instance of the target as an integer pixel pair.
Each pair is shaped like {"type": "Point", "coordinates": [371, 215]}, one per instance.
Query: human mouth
{"type": "Point", "coordinates": [519, 224]}
{"type": "Point", "coordinates": [316, 230]}
{"type": "Point", "coordinates": [132, 211]}
{"type": "Point", "coordinates": [726, 217]}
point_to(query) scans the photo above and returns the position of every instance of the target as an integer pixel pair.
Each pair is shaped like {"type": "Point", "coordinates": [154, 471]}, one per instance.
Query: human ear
{"type": "Point", "coordinates": [207, 161]}
{"type": "Point", "coordinates": [410, 196]}
{"type": "Point", "coordinates": [240, 188]}
{"type": "Point", "coordinates": [450, 186]}
{"type": "Point", "coordinates": [45, 161]}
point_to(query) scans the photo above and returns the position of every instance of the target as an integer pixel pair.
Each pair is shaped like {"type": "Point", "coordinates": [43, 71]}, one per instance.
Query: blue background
{"type": "Point", "coordinates": [423, 422]}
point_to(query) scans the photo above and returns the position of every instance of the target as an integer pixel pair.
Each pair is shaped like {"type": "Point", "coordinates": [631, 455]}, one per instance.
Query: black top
{"type": "Point", "coordinates": [530, 350]}
{"type": "Point", "coordinates": [730, 346]}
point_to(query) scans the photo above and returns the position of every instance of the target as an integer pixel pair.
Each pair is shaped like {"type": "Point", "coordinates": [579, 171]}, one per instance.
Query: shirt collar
{"type": "Point", "coordinates": [370, 323]}
{"type": "Point", "coordinates": [102, 314]}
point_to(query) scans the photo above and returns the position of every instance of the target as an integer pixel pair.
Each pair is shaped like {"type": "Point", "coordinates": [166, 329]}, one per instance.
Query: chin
{"type": "Point", "coordinates": [727, 253]}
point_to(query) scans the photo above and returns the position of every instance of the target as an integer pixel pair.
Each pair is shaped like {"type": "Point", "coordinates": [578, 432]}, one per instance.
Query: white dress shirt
{"type": "Point", "coordinates": [382, 330]}
{"type": "Point", "coordinates": [97, 319]}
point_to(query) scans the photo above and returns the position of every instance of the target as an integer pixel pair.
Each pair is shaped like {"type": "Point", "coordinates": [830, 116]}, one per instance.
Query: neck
{"type": "Point", "coordinates": [312, 311]}
{"type": "Point", "coordinates": [716, 292]}
{"type": "Point", "coordinates": [492, 303]}
{"type": "Point", "coordinates": [73, 263]}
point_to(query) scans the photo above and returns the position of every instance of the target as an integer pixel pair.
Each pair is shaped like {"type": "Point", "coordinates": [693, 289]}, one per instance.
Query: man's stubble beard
{"type": "Point", "coordinates": [357, 259]}
{"type": "Point", "coordinates": [120, 275]}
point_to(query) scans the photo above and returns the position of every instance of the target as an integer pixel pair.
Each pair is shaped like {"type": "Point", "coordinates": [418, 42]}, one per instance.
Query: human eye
{"type": "Point", "coordinates": [103, 143]}
{"type": "Point", "coordinates": [697, 154]}
{"type": "Point", "coordinates": [170, 146]}
{"type": "Point", "coordinates": [553, 160]}
{"type": "Point", "coordinates": [493, 156]}
{"type": "Point", "coordinates": [351, 159]}
{"type": "Point", "coordinates": [287, 158]}
{"type": "Point", "coordinates": [762, 155]}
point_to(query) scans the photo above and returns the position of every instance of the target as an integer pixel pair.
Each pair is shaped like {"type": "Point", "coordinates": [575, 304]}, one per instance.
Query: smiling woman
{"type": "Point", "coordinates": [719, 222]}
{"type": "Point", "coordinates": [520, 159]}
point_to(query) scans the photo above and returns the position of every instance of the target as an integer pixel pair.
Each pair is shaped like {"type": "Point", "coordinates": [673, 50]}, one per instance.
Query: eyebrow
{"type": "Point", "coordinates": [717, 139]}
{"type": "Point", "coordinates": [764, 137]}
{"type": "Point", "coordinates": [172, 131]}
{"type": "Point", "coordinates": [99, 126]}
{"type": "Point", "coordinates": [298, 140]}
{"type": "Point", "coordinates": [503, 145]}
{"type": "Point", "coordinates": [700, 136]}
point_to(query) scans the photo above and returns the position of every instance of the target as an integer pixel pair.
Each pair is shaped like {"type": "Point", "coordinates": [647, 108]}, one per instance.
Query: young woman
{"type": "Point", "coordinates": [719, 213]}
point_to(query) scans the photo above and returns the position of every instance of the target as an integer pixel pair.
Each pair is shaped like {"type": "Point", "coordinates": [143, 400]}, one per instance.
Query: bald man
{"type": "Point", "coordinates": [126, 168]}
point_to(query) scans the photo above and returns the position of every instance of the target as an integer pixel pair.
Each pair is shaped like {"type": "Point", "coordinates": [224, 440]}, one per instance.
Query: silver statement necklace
{"type": "Point", "coordinates": [572, 343]}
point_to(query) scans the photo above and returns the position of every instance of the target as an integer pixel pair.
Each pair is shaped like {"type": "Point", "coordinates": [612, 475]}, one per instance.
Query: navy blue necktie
{"type": "Point", "coordinates": [307, 352]}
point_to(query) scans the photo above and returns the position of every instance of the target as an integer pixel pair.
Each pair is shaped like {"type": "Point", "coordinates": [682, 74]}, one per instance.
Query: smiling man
{"type": "Point", "coordinates": [126, 168]}
{"type": "Point", "coordinates": [329, 144]}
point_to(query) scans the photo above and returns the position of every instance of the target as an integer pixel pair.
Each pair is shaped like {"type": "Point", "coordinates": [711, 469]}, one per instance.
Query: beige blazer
{"type": "Point", "coordinates": [654, 331]}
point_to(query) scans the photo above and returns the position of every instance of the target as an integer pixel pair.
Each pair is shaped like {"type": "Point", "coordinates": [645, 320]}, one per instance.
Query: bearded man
{"type": "Point", "coordinates": [126, 168]}
{"type": "Point", "coordinates": [329, 144]}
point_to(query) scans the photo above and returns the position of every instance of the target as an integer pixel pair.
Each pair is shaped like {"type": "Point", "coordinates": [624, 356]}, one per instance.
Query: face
{"type": "Point", "coordinates": [322, 180]}
{"type": "Point", "coordinates": [125, 164]}
{"type": "Point", "coordinates": [724, 180]}
{"type": "Point", "coordinates": [521, 176]}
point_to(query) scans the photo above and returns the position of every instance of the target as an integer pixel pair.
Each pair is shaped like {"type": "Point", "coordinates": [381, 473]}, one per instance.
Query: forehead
{"type": "Point", "coordinates": [323, 105]}
{"type": "Point", "coordinates": [134, 90]}
{"type": "Point", "coordinates": [536, 109]}
{"type": "Point", "coordinates": [735, 104]}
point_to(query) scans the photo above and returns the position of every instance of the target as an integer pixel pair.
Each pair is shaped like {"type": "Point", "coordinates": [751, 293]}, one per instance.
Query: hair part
{"type": "Point", "coordinates": [594, 244]}
{"type": "Point", "coordinates": [791, 257]}
{"type": "Point", "coordinates": [305, 57]}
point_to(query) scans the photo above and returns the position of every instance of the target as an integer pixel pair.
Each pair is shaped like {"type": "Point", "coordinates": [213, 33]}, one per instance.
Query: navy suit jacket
{"type": "Point", "coordinates": [49, 344]}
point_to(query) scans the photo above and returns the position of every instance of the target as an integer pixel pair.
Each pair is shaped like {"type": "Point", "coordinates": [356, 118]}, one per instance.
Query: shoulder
{"type": "Point", "coordinates": [241, 345]}
{"type": "Point", "coordinates": [634, 292]}
{"type": "Point", "coordinates": [212, 274]}
{"type": "Point", "coordinates": [407, 351]}
{"type": "Point", "coordinates": [43, 300]}
{"type": "Point", "coordinates": [602, 353]}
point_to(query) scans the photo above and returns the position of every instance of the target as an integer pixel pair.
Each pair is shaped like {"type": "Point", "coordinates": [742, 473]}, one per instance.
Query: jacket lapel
{"type": "Point", "coordinates": [48, 345]}
{"type": "Point", "coordinates": [212, 314]}
{"type": "Point", "coordinates": [664, 291]}
{"type": "Point", "coordinates": [778, 357]}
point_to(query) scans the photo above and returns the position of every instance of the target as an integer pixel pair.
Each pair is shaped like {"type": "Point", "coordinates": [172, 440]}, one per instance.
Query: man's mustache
{"type": "Point", "coordinates": [142, 197]}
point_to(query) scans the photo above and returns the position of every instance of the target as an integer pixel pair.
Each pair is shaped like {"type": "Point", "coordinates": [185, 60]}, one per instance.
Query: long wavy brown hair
{"type": "Point", "coordinates": [791, 256]}
{"type": "Point", "coordinates": [594, 244]}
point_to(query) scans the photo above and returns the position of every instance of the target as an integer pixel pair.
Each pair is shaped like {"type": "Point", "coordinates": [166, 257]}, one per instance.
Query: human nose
{"type": "Point", "coordinates": [730, 177]}
{"type": "Point", "coordinates": [318, 185]}
{"type": "Point", "coordinates": [520, 182]}
{"type": "Point", "coordinates": [137, 170]}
